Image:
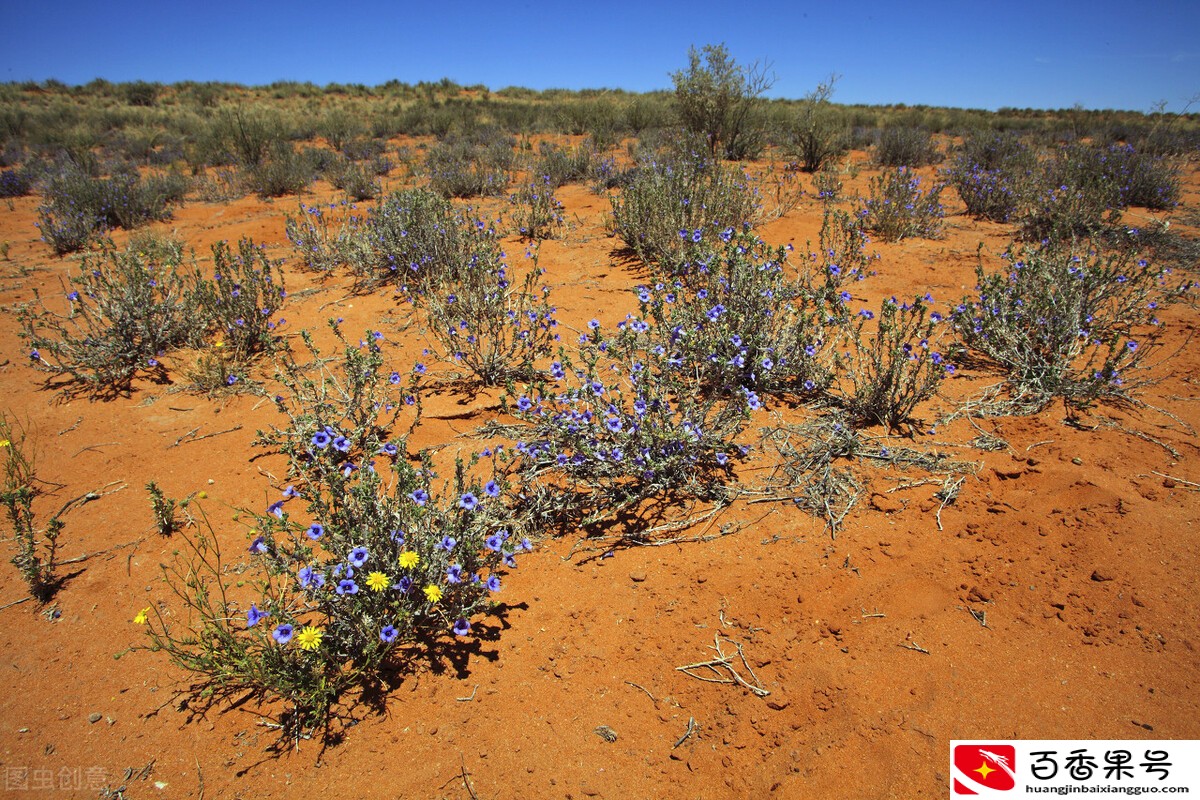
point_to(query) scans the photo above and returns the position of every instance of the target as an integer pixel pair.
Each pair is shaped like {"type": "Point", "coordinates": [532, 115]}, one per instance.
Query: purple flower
{"type": "Point", "coordinates": [282, 633]}
{"type": "Point", "coordinates": [447, 543]}
{"type": "Point", "coordinates": [454, 574]}
{"type": "Point", "coordinates": [310, 578]}
{"type": "Point", "coordinates": [394, 378]}
{"type": "Point", "coordinates": [493, 583]}
{"type": "Point", "coordinates": [347, 586]}
{"type": "Point", "coordinates": [259, 546]}
{"type": "Point", "coordinates": [419, 369]}
{"type": "Point", "coordinates": [358, 556]}
{"type": "Point", "coordinates": [495, 542]}
{"type": "Point", "coordinates": [276, 509]}
{"type": "Point", "coordinates": [491, 489]}
{"type": "Point", "coordinates": [524, 403]}
{"type": "Point", "coordinates": [231, 380]}
{"type": "Point", "coordinates": [321, 439]}
{"type": "Point", "coordinates": [404, 585]}
{"type": "Point", "coordinates": [254, 616]}
{"type": "Point", "coordinates": [461, 627]}
{"type": "Point", "coordinates": [389, 449]}
{"type": "Point", "coordinates": [468, 501]}
{"type": "Point", "coordinates": [389, 634]}
{"type": "Point", "coordinates": [1132, 346]}
{"type": "Point", "coordinates": [315, 531]}
{"type": "Point", "coordinates": [341, 443]}
{"type": "Point", "coordinates": [290, 491]}
{"type": "Point", "coordinates": [527, 545]}
{"type": "Point", "coordinates": [420, 497]}
{"type": "Point", "coordinates": [613, 424]}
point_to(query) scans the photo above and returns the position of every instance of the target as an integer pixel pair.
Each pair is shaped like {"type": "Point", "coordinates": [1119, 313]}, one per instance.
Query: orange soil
{"type": "Point", "coordinates": [1078, 549]}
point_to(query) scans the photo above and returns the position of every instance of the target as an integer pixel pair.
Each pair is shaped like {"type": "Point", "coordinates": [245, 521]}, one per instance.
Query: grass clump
{"type": "Point", "coordinates": [35, 549]}
{"type": "Point", "coordinates": [898, 208]}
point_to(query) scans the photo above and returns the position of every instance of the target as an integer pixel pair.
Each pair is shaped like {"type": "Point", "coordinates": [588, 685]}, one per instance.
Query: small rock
{"type": "Point", "coordinates": [1077, 461]}
{"type": "Point", "coordinates": [1100, 576]}
{"type": "Point", "coordinates": [95, 717]}
{"type": "Point", "coordinates": [778, 703]}
{"type": "Point", "coordinates": [881, 502]}
{"type": "Point", "coordinates": [637, 576]}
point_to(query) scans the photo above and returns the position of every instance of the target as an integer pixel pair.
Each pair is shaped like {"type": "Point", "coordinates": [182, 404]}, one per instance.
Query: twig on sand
{"type": "Point", "coordinates": [691, 728]}
{"type": "Point", "coordinates": [466, 778]}
{"type": "Point", "coordinates": [627, 683]}
{"type": "Point", "coordinates": [185, 440]}
{"type": "Point", "coordinates": [716, 668]}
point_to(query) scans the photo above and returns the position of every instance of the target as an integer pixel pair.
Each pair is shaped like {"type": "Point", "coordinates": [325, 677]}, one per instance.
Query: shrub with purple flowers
{"type": "Point", "coordinates": [536, 213]}
{"type": "Point", "coordinates": [899, 208]}
{"type": "Point", "coordinates": [1063, 323]}
{"type": "Point", "coordinates": [364, 561]}
{"type": "Point", "coordinates": [672, 210]}
{"type": "Point", "coordinates": [888, 371]}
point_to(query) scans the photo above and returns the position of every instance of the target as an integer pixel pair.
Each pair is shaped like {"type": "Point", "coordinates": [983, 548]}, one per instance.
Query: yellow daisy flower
{"type": "Point", "coordinates": [433, 593]}
{"type": "Point", "coordinates": [310, 637]}
{"type": "Point", "coordinates": [5, 443]}
{"type": "Point", "coordinates": [409, 559]}
{"type": "Point", "coordinates": [143, 616]}
{"type": "Point", "coordinates": [377, 581]}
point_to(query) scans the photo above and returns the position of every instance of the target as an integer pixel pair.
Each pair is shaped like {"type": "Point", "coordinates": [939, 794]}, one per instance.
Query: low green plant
{"type": "Point", "coordinates": [557, 166]}
{"type": "Point", "coordinates": [898, 208]}
{"type": "Point", "coordinates": [364, 564]}
{"type": "Point", "coordinates": [720, 100]}
{"type": "Point", "coordinates": [891, 366]}
{"type": "Point", "coordinates": [462, 168]}
{"type": "Point", "coordinates": [906, 147]}
{"type": "Point", "coordinates": [1066, 323]}
{"type": "Point", "coordinates": [166, 518]}
{"type": "Point", "coordinates": [672, 211]}
{"type": "Point", "coordinates": [536, 213]}
{"type": "Point", "coordinates": [35, 549]}
{"type": "Point", "coordinates": [816, 136]}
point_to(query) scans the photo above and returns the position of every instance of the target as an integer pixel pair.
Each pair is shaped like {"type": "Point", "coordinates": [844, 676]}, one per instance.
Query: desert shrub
{"type": "Point", "coordinates": [1062, 323]}
{"type": "Point", "coordinates": [356, 180]}
{"type": "Point", "coordinates": [671, 211]}
{"type": "Point", "coordinates": [140, 93]}
{"type": "Point", "coordinates": [239, 303]}
{"type": "Point", "coordinates": [899, 208]}
{"type": "Point", "coordinates": [1146, 181]}
{"type": "Point", "coordinates": [124, 311]}
{"type": "Point", "coordinates": [284, 172]}
{"type": "Point", "coordinates": [890, 369]}
{"type": "Point", "coordinates": [816, 135]}
{"type": "Point", "coordinates": [363, 149]}
{"type": "Point", "coordinates": [324, 239]}
{"type": "Point", "coordinates": [338, 127]}
{"type": "Point", "coordinates": [719, 99]}
{"type": "Point", "coordinates": [80, 206]}
{"type": "Point", "coordinates": [497, 330]}
{"type": "Point", "coordinates": [536, 213]}
{"type": "Point", "coordinates": [739, 324]}
{"type": "Point", "coordinates": [17, 182]}
{"type": "Point", "coordinates": [841, 258]}
{"type": "Point", "coordinates": [623, 430]}
{"type": "Point", "coordinates": [460, 167]}
{"type": "Point", "coordinates": [906, 147]}
{"type": "Point", "coordinates": [364, 563]}
{"type": "Point", "coordinates": [35, 549]}
{"type": "Point", "coordinates": [558, 166]}
{"type": "Point", "coordinates": [990, 173]}
{"type": "Point", "coordinates": [247, 138]}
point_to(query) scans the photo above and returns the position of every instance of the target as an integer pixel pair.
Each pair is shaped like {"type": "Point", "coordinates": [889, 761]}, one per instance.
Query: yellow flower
{"type": "Point", "coordinates": [433, 593]}
{"type": "Point", "coordinates": [219, 344]}
{"type": "Point", "coordinates": [310, 637]}
{"type": "Point", "coordinates": [5, 443]}
{"type": "Point", "coordinates": [409, 559]}
{"type": "Point", "coordinates": [377, 581]}
{"type": "Point", "coordinates": [202, 495]}
{"type": "Point", "coordinates": [142, 617]}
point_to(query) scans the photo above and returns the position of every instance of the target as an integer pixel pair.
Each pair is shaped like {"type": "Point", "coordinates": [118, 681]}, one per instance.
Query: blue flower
{"type": "Point", "coordinates": [310, 578]}
{"type": "Point", "coordinates": [347, 586]}
{"type": "Point", "coordinates": [461, 627]}
{"type": "Point", "coordinates": [259, 546]}
{"type": "Point", "coordinates": [341, 443]}
{"type": "Point", "coordinates": [276, 509]}
{"type": "Point", "coordinates": [315, 531]}
{"type": "Point", "coordinates": [283, 633]}
{"type": "Point", "coordinates": [454, 574]}
{"type": "Point", "coordinates": [495, 542]}
{"type": "Point", "coordinates": [321, 439]}
{"type": "Point", "coordinates": [447, 543]}
{"type": "Point", "coordinates": [254, 616]}
{"type": "Point", "coordinates": [613, 424]}
{"type": "Point", "coordinates": [394, 378]}
{"type": "Point", "coordinates": [389, 634]}
{"type": "Point", "coordinates": [404, 585]}
{"type": "Point", "coordinates": [358, 556]}
{"type": "Point", "coordinates": [468, 501]}
{"type": "Point", "coordinates": [420, 497]}
{"type": "Point", "coordinates": [493, 583]}
{"type": "Point", "coordinates": [491, 489]}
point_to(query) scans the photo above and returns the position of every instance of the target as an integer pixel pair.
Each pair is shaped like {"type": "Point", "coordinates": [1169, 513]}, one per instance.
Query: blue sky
{"type": "Point", "coordinates": [966, 53]}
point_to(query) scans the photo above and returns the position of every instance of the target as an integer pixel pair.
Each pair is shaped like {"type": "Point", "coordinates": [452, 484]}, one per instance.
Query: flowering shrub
{"type": "Point", "coordinates": [80, 206]}
{"type": "Point", "coordinates": [35, 549]}
{"type": "Point", "coordinates": [483, 322]}
{"type": "Point", "coordinates": [898, 208]}
{"type": "Point", "coordinates": [559, 166]}
{"type": "Point", "coordinates": [906, 147]}
{"type": "Point", "coordinates": [739, 324]}
{"type": "Point", "coordinates": [990, 173]}
{"type": "Point", "coordinates": [896, 367]}
{"type": "Point", "coordinates": [124, 310]}
{"type": "Point", "coordinates": [127, 308]}
{"type": "Point", "coordinates": [461, 168]}
{"type": "Point", "coordinates": [1061, 323]}
{"type": "Point", "coordinates": [671, 210]}
{"type": "Point", "coordinates": [361, 563]}
{"type": "Point", "coordinates": [537, 214]}
{"type": "Point", "coordinates": [628, 423]}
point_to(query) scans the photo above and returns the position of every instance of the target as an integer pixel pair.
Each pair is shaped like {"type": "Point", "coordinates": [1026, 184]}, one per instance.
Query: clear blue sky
{"type": "Point", "coordinates": [965, 53]}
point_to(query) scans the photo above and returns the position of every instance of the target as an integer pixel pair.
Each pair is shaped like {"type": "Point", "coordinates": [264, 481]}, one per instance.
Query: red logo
{"type": "Point", "coordinates": [983, 768]}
